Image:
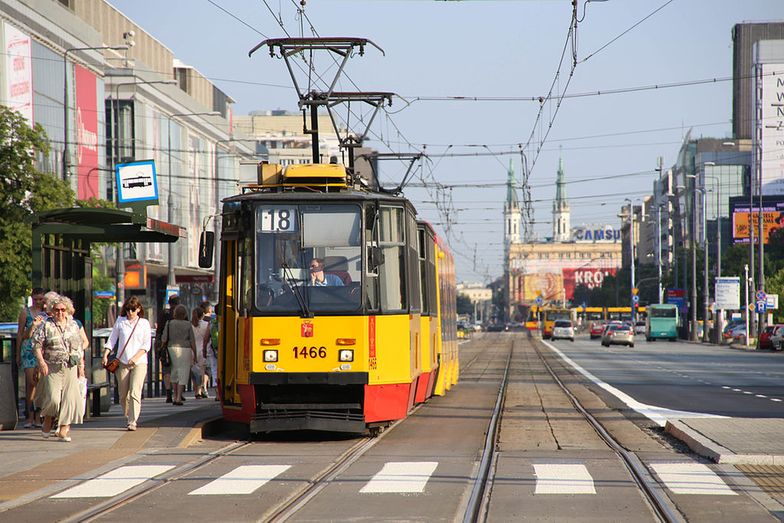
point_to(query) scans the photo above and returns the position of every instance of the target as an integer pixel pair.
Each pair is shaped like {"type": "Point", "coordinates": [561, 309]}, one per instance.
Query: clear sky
{"type": "Point", "coordinates": [504, 53]}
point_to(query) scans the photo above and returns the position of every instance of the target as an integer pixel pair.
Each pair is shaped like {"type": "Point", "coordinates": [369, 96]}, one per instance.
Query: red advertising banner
{"type": "Point", "coordinates": [591, 277]}
{"type": "Point", "coordinates": [86, 134]}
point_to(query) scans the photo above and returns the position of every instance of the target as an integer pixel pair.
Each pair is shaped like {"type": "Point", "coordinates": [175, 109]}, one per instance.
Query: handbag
{"type": "Point", "coordinates": [113, 362]}
{"type": "Point", "coordinates": [163, 349]}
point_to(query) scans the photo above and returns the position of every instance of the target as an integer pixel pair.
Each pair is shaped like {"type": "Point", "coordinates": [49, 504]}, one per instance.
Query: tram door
{"type": "Point", "coordinates": [227, 370]}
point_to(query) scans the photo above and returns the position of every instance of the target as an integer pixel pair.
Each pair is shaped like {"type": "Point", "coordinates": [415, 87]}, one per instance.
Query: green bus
{"type": "Point", "coordinates": [662, 322]}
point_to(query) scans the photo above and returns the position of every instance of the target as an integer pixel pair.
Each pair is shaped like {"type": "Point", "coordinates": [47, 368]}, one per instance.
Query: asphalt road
{"type": "Point", "coordinates": [685, 376]}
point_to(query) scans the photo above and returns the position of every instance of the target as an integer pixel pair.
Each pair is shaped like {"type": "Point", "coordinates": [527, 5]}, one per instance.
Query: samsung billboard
{"type": "Point", "coordinates": [596, 234]}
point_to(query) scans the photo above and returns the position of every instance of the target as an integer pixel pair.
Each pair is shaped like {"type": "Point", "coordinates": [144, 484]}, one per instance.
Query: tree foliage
{"type": "Point", "coordinates": [24, 191]}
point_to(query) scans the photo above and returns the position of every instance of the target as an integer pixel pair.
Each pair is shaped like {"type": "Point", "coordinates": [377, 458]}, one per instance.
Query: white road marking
{"type": "Point", "coordinates": [736, 390]}
{"type": "Point", "coordinates": [245, 479]}
{"type": "Point", "coordinates": [115, 482]}
{"type": "Point", "coordinates": [563, 479]}
{"type": "Point", "coordinates": [401, 476]}
{"type": "Point", "coordinates": [691, 478]}
{"type": "Point", "coordinates": [774, 399]}
{"type": "Point", "coordinates": [658, 415]}
{"type": "Point", "coordinates": [760, 396]}
{"type": "Point", "coordinates": [725, 387]}
{"type": "Point", "coordinates": [747, 392]}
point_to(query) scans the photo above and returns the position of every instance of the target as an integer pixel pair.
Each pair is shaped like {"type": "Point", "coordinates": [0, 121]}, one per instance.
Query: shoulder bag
{"type": "Point", "coordinates": [114, 362]}
{"type": "Point", "coordinates": [163, 349]}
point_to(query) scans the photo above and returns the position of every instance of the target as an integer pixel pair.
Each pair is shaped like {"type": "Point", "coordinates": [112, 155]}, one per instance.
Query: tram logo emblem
{"type": "Point", "coordinates": [307, 329]}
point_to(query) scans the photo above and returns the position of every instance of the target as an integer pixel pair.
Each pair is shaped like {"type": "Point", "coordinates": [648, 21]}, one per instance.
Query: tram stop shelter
{"type": "Point", "coordinates": [61, 261]}
{"type": "Point", "coordinates": [61, 248]}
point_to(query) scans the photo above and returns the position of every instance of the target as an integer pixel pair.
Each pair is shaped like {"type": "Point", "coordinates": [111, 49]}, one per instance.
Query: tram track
{"type": "Point", "coordinates": [297, 500]}
{"type": "Point", "coordinates": [148, 487]}
{"type": "Point", "coordinates": [658, 502]}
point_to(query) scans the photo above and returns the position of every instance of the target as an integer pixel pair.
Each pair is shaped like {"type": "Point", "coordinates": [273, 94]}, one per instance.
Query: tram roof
{"type": "Point", "coordinates": [332, 197]}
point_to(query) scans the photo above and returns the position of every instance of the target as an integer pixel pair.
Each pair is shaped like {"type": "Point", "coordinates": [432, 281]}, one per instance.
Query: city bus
{"type": "Point", "coordinates": [662, 322]}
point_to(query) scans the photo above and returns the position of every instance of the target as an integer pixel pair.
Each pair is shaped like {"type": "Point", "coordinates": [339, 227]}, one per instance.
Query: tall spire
{"type": "Point", "coordinates": [561, 220]}
{"type": "Point", "coordinates": [511, 209]}
{"type": "Point", "coordinates": [511, 190]}
{"type": "Point", "coordinates": [560, 190]}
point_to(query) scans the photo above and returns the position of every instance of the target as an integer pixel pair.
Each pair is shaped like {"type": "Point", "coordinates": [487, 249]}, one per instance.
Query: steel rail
{"type": "Point", "coordinates": [480, 491]}
{"type": "Point", "coordinates": [152, 485]}
{"type": "Point", "coordinates": [658, 502]}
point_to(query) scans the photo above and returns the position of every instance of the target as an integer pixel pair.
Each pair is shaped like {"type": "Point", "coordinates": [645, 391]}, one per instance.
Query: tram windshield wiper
{"type": "Point", "coordinates": [292, 283]}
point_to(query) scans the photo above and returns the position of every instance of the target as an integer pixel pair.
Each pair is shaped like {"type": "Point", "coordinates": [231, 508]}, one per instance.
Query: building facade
{"type": "Point", "coordinates": [106, 92]}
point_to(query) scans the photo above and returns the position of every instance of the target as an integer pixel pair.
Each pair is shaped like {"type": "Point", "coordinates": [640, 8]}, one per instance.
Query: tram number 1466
{"type": "Point", "coordinates": [310, 352]}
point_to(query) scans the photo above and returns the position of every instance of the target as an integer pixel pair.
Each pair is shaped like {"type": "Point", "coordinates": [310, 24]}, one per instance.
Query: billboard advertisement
{"type": "Point", "coordinates": [591, 277]}
{"type": "Point", "coordinates": [768, 159]}
{"type": "Point", "coordinates": [596, 234]}
{"type": "Point", "coordinates": [772, 218]}
{"type": "Point", "coordinates": [548, 285]}
{"type": "Point", "coordinates": [86, 134]}
{"type": "Point", "coordinates": [18, 71]}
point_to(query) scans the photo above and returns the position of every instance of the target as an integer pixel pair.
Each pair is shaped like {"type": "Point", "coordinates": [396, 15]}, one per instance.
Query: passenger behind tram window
{"type": "Point", "coordinates": [318, 278]}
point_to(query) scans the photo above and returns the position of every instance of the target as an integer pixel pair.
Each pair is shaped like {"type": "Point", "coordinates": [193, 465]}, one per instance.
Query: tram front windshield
{"type": "Point", "coordinates": [308, 258]}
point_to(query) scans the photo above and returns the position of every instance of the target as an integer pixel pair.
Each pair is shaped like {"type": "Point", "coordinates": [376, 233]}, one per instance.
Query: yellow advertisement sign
{"type": "Point", "coordinates": [740, 225]}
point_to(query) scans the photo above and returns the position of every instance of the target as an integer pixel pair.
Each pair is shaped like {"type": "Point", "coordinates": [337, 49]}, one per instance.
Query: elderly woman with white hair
{"type": "Point", "coordinates": [58, 346]}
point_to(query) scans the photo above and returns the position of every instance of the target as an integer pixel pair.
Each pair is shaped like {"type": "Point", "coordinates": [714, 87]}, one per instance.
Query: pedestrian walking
{"type": "Point", "coordinates": [131, 333]}
{"type": "Point", "coordinates": [59, 349]}
{"type": "Point", "coordinates": [174, 300]}
{"type": "Point", "coordinates": [25, 359]}
{"type": "Point", "coordinates": [181, 343]}
{"type": "Point", "coordinates": [201, 331]}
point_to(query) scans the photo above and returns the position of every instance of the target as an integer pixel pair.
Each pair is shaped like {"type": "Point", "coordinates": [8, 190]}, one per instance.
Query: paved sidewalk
{"type": "Point", "coordinates": [29, 463]}
{"type": "Point", "coordinates": [749, 441]}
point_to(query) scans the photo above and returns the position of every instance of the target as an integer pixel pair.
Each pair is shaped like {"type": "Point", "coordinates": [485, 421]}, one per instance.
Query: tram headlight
{"type": "Point", "coordinates": [346, 355]}
{"type": "Point", "coordinates": [270, 355]}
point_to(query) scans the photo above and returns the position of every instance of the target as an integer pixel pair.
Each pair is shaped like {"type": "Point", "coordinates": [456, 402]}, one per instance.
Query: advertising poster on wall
{"type": "Point", "coordinates": [770, 155]}
{"type": "Point", "coordinates": [772, 218]}
{"type": "Point", "coordinates": [18, 71]}
{"type": "Point", "coordinates": [591, 277]}
{"type": "Point", "coordinates": [86, 134]}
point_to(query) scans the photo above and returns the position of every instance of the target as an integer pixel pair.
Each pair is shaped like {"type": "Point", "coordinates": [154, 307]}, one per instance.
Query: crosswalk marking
{"type": "Point", "coordinates": [563, 479]}
{"type": "Point", "coordinates": [691, 478]}
{"type": "Point", "coordinates": [401, 476]}
{"type": "Point", "coordinates": [114, 482]}
{"type": "Point", "coordinates": [245, 479]}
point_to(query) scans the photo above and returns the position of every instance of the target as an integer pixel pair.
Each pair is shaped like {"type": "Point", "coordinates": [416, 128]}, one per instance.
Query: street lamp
{"type": "Point", "coordinates": [720, 313]}
{"type": "Point", "coordinates": [170, 280]}
{"type": "Point", "coordinates": [66, 163]}
{"type": "Point", "coordinates": [631, 253]}
{"type": "Point", "coordinates": [693, 297]}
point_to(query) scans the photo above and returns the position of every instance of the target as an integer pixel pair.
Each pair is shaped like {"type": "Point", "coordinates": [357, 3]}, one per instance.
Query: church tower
{"type": "Point", "coordinates": [562, 228]}
{"type": "Point", "coordinates": [512, 213]}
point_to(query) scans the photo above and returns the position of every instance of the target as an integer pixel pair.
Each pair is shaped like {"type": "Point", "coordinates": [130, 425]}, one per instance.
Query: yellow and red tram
{"type": "Point", "coordinates": [348, 351]}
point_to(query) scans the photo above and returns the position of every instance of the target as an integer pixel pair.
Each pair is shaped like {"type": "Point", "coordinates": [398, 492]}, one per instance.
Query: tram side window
{"type": "Point", "coordinates": [422, 239]}
{"type": "Point", "coordinates": [371, 274]}
{"type": "Point", "coordinates": [392, 266]}
{"type": "Point", "coordinates": [415, 285]}
{"type": "Point", "coordinates": [246, 275]}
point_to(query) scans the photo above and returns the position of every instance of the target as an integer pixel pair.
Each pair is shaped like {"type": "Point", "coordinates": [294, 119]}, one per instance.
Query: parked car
{"type": "Point", "coordinates": [616, 334]}
{"type": "Point", "coordinates": [765, 341]}
{"type": "Point", "coordinates": [639, 327]}
{"type": "Point", "coordinates": [777, 338]}
{"type": "Point", "coordinates": [738, 333]}
{"type": "Point", "coordinates": [727, 332]}
{"type": "Point", "coordinates": [597, 328]}
{"type": "Point", "coordinates": [563, 330]}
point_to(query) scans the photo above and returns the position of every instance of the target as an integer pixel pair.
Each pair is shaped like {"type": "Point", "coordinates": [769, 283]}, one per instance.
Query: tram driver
{"type": "Point", "coordinates": [318, 278]}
